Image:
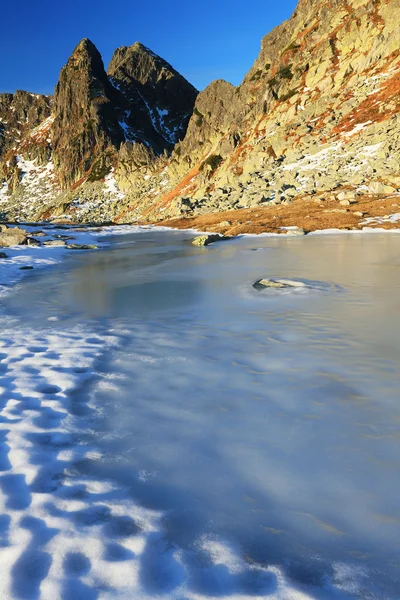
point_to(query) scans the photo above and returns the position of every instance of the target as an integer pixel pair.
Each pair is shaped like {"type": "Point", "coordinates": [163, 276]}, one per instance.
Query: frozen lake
{"type": "Point", "coordinates": [168, 431]}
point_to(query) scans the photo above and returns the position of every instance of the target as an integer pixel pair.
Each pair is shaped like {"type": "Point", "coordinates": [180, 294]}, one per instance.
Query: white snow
{"type": "Point", "coordinates": [394, 218]}
{"type": "Point", "coordinates": [38, 183]}
{"type": "Point", "coordinates": [112, 187]}
{"type": "Point", "coordinates": [359, 127]}
{"type": "Point", "coordinates": [313, 161]}
{"type": "Point", "coordinates": [4, 190]}
{"type": "Point", "coordinates": [128, 133]}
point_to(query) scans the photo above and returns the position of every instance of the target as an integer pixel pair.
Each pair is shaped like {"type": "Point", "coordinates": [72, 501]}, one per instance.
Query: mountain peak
{"type": "Point", "coordinates": [139, 60]}
{"type": "Point", "coordinates": [87, 46]}
{"type": "Point", "coordinates": [84, 122]}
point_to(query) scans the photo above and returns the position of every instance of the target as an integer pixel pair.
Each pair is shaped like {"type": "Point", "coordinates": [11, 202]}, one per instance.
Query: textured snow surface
{"type": "Point", "coordinates": [132, 441]}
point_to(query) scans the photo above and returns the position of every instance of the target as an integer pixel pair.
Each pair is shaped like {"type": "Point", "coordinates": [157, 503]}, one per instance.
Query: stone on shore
{"type": "Point", "coordinates": [206, 240]}
{"type": "Point", "coordinates": [12, 236]}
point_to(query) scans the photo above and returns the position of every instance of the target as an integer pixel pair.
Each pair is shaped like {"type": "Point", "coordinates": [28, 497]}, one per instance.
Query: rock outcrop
{"type": "Point", "coordinates": [157, 101]}
{"type": "Point", "coordinates": [318, 111]}
{"type": "Point", "coordinates": [85, 133]}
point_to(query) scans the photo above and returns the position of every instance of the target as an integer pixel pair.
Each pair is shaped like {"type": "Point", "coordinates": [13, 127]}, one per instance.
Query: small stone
{"type": "Point", "coordinates": [225, 224]}
{"type": "Point", "coordinates": [3, 255]}
{"type": "Point", "coordinates": [345, 202]}
{"type": "Point", "coordinates": [262, 284]}
{"type": "Point", "coordinates": [296, 231]}
{"type": "Point", "coordinates": [81, 247]}
{"type": "Point", "coordinates": [54, 243]}
{"type": "Point", "coordinates": [30, 241]}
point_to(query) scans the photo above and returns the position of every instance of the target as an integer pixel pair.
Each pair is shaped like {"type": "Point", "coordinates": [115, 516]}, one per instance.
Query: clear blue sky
{"type": "Point", "coordinates": [205, 40]}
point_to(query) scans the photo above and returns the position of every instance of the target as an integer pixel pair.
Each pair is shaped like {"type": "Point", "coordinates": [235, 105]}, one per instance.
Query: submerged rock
{"type": "Point", "coordinates": [206, 240]}
{"type": "Point", "coordinates": [262, 284]}
{"type": "Point", "coordinates": [3, 255]}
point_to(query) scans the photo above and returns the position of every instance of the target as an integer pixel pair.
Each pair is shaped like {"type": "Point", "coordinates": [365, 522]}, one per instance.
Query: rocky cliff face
{"type": "Point", "coordinates": [318, 114]}
{"type": "Point", "coordinates": [20, 115]}
{"type": "Point", "coordinates": [157, 101]}
{"type": "Point", "coordinates": [85, 133]}
{"type": "Point", "coordinates": [319, 110]}
{"type": "Point", "coordinates": [97, 121]}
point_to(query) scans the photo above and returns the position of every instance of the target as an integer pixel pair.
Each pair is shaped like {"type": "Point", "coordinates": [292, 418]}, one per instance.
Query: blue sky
{"type": "Point", "coordinates": [203, 40]}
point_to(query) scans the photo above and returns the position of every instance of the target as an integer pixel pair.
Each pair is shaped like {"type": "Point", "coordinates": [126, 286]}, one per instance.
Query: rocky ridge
{"type": "Point", "coordinates": [65, 160]}
{"type": "Point", "coordinates": [317, 119]}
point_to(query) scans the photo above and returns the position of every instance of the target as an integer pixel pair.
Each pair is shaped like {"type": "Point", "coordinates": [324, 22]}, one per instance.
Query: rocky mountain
{"type": "Point", "coordinates": [157, 101]}
{"type": "Point", "coordinates": [85, 132]}
{"type": "Point", "coordinates": [49, 148]}
{"type": "Point", "coordinates": [316, 118]}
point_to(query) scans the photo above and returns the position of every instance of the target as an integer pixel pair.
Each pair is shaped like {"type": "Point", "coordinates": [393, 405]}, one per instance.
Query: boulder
{"type": "Point", "coordinates": [346, 198]}
{"type": "Point", "coordinates": [12, 237]}
{"type": "Point", "coordinates": [206, 240]}
{"type": "Point", "coordinates": [294, 231]}
{"type": "Point", "coordinates": [3, 255]}
{"type": "Point", "coordinates": [377, 187]}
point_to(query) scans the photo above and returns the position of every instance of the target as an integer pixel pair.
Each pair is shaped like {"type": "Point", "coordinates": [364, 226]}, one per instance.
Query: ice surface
{"type": "Point", "coordinates": [168, 431]}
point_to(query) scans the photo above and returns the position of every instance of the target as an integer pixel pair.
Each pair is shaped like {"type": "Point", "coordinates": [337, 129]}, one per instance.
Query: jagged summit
{"type": "Point", "coordinates": [157, 100]}
{"type": "Point", "coordinates": [138, 62]}
{"type": "Point", "coordinates": [85, 130]}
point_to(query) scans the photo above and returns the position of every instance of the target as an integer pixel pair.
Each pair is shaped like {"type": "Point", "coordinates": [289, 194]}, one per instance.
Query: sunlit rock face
{"type": "Point", "coordinates": [318, 112]}
{"type": "Point", "coordinates": [85, 124]}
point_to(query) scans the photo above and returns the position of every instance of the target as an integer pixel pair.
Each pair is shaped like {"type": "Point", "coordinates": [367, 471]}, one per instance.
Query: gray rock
{"type": "Point", "coordinates": [54, 243]}
{"type": "Point", "coordinates": [225, 224]}
{"type": "Point", "coordinates": [263, 284]}
{"type": "Point", "coordinates": [12, 237]}
{"type": "Point", "coordinates": [81, 247]}
{"type": "Point", "coordinates": [376, 187]}
{"type": "Point", "coordinates": [206, 240]}
{"type": "Point", "coordinates": [30, 241]}
{"type": "Point", "coordinates": [346, 197]}
{"type": "Point", "coordinates": [296, 231]}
